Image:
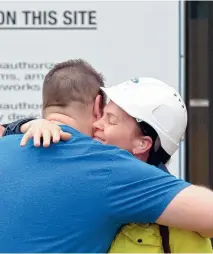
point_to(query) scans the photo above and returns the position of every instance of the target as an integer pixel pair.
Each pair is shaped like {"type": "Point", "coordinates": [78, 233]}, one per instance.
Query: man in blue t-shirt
{"type": "Point", "coordinates": [74, 196]}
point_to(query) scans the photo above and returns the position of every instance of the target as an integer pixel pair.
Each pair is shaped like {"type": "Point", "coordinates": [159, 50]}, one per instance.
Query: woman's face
{"type": "Point", "coordinates": [117, 128]}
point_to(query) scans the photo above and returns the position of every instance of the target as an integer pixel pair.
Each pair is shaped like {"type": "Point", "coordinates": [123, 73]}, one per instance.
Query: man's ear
{"type": "Point", "coordinates": [98, 107]}
{"type": "Point", "coordinates": [142, 145]}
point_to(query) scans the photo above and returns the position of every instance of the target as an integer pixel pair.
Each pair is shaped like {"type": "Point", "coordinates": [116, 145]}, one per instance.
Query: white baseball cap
{"type": "Point", "coordinates": [156, 103]}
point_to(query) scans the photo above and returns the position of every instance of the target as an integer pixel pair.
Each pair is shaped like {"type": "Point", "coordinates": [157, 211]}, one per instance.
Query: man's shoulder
{"type": "Point", "coordinates": [133, 169]}
{"type": "Point", "coordinates": [10, 139]}
{"type": "Point", "coordinates": [124, 159]}
{"type": "Point", "coordinates": [10, 148]}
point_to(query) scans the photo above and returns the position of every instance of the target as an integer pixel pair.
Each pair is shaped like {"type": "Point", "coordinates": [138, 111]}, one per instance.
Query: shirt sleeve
{"type": "Point", "coordinates": [14, 127]}
{"type": "Point", "coordinates": [138, 192]}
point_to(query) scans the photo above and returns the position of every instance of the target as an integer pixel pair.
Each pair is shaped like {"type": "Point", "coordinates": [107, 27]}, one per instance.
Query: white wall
{"type": "Point", "coordinates": [132, 39]}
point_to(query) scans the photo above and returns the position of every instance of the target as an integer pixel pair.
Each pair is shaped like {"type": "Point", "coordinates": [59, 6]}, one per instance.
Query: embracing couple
{"type": "Point", "coordinates": [110, 193]}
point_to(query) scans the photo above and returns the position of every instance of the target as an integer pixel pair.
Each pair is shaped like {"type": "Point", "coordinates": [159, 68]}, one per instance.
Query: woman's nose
{"type": "Point", "coordinates": [98, 124]}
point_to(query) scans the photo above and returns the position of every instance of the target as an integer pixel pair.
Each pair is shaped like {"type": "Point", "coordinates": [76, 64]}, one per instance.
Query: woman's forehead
{"type": "Point", "coordinates": [115, 110]}
{"type": "Point", "coordinates": [111, 107]}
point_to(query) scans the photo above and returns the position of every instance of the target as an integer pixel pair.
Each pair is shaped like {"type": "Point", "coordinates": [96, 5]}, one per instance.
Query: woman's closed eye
{"type": "Point", "coordinates": [112, 119]}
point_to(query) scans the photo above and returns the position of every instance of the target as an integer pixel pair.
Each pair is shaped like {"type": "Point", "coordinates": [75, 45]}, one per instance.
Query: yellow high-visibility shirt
{"type": "Point", "coordinates": [146, 238]}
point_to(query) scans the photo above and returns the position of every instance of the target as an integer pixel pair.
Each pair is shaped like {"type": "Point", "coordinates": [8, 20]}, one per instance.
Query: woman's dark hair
{"type": "Point", "coordinates": [155, 157]}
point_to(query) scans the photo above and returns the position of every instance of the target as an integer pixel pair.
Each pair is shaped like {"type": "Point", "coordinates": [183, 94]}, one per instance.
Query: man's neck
{"type": "Point", "coordinates": [66, 120]}
{"type": "Point", "coordinates": [63, 119]}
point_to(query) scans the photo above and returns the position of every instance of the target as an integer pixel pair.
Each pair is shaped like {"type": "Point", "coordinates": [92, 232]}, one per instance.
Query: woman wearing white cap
{"type": "Point", "coordinates": [148, 118]}
{"type": "Point", "coordinates": [145, 114]}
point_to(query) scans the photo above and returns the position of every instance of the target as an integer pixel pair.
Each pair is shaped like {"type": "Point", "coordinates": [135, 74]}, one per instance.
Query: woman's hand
{"type": "Point", "coordinates": [43, 129]}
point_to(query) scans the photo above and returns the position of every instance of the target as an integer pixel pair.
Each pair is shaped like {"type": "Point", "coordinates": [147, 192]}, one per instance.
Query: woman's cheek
{"type": "Point", "coordinates": [111, 135]}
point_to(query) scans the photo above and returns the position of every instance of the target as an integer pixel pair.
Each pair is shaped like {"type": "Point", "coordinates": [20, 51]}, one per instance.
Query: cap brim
{"type": "Point", "coordinates": [114, 94]}
{"type": "Point", "coordinates": [120, 97]}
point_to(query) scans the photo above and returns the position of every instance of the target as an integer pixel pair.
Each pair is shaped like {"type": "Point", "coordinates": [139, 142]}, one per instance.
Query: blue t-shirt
{"type": "Point", "coordinates": [75, 195]}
